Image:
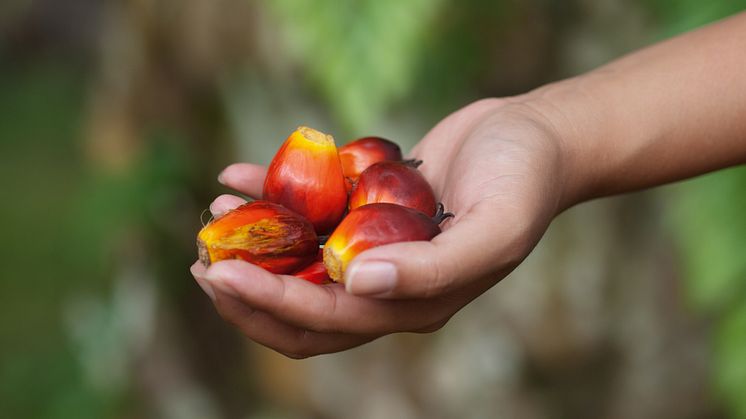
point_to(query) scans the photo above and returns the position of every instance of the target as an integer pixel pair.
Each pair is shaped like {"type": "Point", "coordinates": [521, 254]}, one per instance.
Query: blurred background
{"type": "Point", "coordinates": [117, 116]}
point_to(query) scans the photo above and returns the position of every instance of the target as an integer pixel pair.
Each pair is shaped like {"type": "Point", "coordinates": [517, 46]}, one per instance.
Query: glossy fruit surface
{"type": "Point", "coordinates": [393, 182]}
{"type": "Point", "coordinates": [360, 154]}
{"type": "Point", "coordinates": [315, 272]}
{"type": "Point", "coordinates": [262, 233]}
{"type": "Point", "coordinates": [306, 177]}
{"type": "Point", "coordinates": [375, 225]}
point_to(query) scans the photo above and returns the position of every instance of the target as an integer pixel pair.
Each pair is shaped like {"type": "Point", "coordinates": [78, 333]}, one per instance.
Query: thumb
{"type": "Point", "coordinates": [474, 247]}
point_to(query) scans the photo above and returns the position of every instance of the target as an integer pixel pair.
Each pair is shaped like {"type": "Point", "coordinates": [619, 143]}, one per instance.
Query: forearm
{"type": "Point", "coordinates": [670, 111]}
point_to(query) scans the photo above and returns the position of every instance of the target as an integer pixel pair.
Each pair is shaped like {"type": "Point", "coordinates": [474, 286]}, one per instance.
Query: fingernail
{"type": "Point", "coordinates": [215, 213]}
{"type": "Point", "coordinates": [370, 278]}
{"type": "Point", "coordinates": [220, 178]}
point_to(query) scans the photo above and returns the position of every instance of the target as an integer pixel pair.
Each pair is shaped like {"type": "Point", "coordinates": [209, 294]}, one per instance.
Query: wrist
{"type": "Point", "coordinates": [573, 121]}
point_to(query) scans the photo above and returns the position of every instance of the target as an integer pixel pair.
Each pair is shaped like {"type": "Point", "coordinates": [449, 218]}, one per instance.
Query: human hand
{"type": "Point", "coordinates": [497, 164]}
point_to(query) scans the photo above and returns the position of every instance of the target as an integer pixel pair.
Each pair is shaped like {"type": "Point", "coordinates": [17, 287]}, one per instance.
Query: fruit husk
{"type": "Point", "coordinates": [262, 233]}
{"type": "Point", "coordinates": [315, 272]}
{"type": "Point", "coordinates": [306, 176]}
{"type": "Point", "coordinates": [394, 182]}
{"type": "Point", "coordinates": [358, 155]}
{"type": "Point", "coordinates": [375, 225]}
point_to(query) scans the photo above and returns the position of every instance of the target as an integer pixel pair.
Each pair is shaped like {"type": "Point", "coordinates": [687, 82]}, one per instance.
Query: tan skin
{"type": "Point", "coordinates": [506, 168]}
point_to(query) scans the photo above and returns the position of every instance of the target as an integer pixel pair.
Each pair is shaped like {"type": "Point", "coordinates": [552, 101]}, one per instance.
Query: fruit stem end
{"type": "Point", "coordinates": [316, 136]}
{"type": "Point", "coordinates": [333, 265]}
{"type": "Point", "coordinates": [204, 254]}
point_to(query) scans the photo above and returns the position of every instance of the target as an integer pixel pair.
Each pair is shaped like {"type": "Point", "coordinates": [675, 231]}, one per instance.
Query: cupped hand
{"type": "Point", "coordinates": [497, 164]}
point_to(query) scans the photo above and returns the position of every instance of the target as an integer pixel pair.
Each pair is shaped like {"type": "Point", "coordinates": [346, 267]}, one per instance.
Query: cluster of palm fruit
{"type": "Point", "coordinates": [361, 195]}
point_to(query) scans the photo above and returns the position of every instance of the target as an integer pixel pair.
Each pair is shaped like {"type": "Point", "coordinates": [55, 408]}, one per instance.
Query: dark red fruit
{"type": "Point", "coordinates": [360, 154]}
{"type": "Point", "coordinates": [396, 183]}
{"type": "Point", "coordinates": [315, 272]}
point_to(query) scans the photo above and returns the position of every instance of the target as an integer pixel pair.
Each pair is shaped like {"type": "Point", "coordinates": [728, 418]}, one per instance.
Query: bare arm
{"type": "Point", "coordinates": [667, 112]}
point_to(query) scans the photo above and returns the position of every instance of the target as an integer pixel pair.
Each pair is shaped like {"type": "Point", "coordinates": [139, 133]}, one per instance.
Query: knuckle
{"type": "Point", "coordinates": [281, 297]}
{"type": "Point", "coordinates": [321, 315]}
{"type": "Point", "coordinates": [439, 282]}
{"type": "Point", "coordinates": [423, 275]}
{"type": "Point", "coordinates": [233, 167]}
{"type": "Point", "coordinates": [329, 313]}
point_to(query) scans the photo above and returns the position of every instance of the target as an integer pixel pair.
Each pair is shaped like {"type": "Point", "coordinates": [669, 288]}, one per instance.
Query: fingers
{"type": "Point", "coordinates": [324, 309]}
{"type": "Point", "coordinates": [246, 178]}
{"type": "Point", "coordinates": [225, 203]}
{"type": "Point", "coordinates": [476, 246]}
{"type": "Point", "coordinates": [266, 330]}
{"type": "Point", "coordinates": [291, 341]}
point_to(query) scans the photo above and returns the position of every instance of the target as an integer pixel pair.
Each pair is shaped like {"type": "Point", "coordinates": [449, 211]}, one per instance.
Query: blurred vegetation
{"type": "Point", "coordinates": [115, 118]}
{"type": "Point", "coordinates": [676, 17]}
{"type": "Point", "coordinates": [708, 221]}
{"type": "Point", "coordinates": [40, 109]}
{"type": "Point", "coordinates": [361, 54]}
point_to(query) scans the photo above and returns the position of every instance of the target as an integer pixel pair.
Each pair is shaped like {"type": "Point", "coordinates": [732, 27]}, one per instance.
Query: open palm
{"type": "Point", "coordinates": [496, 164]}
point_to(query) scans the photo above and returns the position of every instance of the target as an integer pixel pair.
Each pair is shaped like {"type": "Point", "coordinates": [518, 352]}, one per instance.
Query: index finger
{"type": "Point", "coordinates": [246, 178]}
{"type": "Point", "coordinates": [327, 308]}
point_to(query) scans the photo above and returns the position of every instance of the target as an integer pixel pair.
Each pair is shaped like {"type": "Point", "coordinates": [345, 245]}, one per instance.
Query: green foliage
{"type": "Point", "coordinates": [677, 16]}
{"type": "Point", "coordinates": [361, 54]}
{"type": "Point", "coordinates": [113, 203]}
{"type": "Point", "coordinates": [730, 361]}
{"type": "Point", "coordinates": [62, 221]}
{"type": "Point", "coordinates": [711, 227]}
{"type": "Point", "coordinates": [708, 218]}
{"type": "Point", "coordinates": [40, 112]}
{"type": "Point", "coordinates": [460, 54]}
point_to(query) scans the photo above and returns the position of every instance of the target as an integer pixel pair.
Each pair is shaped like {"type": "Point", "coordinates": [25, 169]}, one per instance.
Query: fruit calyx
{"type": "Point", "coordinates": [441, 214]}
{"type": "Point", "coordinates": [334, 265]}
{"type": "Point", "coordinates": [415, 163]}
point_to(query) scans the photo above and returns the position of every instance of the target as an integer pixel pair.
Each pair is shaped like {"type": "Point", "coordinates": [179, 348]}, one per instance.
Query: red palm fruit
{"type": "Point", "coordinates": [375, 225]}
{"type": "Point", "coordinates": [315, 272]}
{"type": "Point", "coordinates": [358, 155]}
{"type": "Point", "coordinates": [260, 232]}
{"type": "Point", "coordinates": [306, 177]}
{"type": "Point", "coordinates": [396, 183]}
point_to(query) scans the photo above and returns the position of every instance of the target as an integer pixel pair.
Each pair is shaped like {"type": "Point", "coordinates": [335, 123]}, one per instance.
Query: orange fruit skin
{"type": "Point", "coordinates": [374, 225]}
{"type": "Point", "coordinates": [263, 233]}
{"type": "Point", "coordinates": [306, 176]}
